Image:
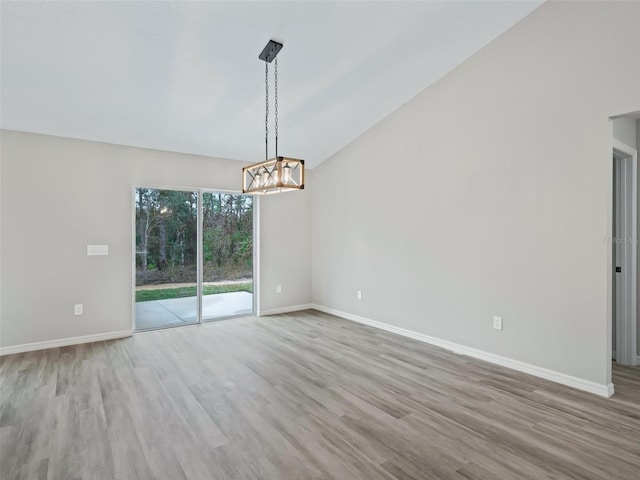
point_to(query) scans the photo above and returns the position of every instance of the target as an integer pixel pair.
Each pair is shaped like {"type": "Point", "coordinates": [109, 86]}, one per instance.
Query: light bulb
{"type": "Point", "coordinates": [286, 174]}
{"type": "Point", "coordinates": [258, 180]}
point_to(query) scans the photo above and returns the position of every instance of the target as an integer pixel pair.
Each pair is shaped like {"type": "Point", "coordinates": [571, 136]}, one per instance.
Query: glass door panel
{"type": "Point", "coordinates": [166, 258]}
{"type": "Point", "coordinates": [227, 255]}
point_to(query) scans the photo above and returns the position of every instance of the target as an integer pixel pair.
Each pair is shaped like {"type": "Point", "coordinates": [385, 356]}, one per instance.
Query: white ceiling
{"type": "Point", "coordinates": [185, 77]}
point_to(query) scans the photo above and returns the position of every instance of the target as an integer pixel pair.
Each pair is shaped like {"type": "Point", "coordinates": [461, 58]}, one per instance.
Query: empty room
{"type": "Point", "coordinates": [391, 240]}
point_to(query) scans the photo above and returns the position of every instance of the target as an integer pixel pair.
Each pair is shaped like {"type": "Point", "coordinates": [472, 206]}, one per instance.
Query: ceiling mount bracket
{"type": "Point", "coordinates": [270, 51]}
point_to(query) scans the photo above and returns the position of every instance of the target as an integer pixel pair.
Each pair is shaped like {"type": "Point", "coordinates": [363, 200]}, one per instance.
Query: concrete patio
{"type": "Point", "coordinates": [182, 311]}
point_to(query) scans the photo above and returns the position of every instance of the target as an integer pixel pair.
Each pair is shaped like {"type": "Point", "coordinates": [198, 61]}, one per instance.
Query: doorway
{"type": "Point", "coordinates": [625, 239]}
{"type": "Point", "coordinates": [194, 257]}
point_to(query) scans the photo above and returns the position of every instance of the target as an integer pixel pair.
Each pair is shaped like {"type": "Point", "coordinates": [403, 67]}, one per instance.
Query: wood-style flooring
{"type": "Point", "coordinates": [301, 396]}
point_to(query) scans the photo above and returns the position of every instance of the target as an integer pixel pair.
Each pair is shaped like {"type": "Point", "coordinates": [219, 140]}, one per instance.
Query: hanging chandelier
{"type": "Point", "coordinates": [278, 174]}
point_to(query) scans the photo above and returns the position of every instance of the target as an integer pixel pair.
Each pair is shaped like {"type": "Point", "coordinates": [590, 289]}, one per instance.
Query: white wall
{"type": "Point", "coordinates": [58, 195]}
{"type": "Point", "coordinates": [286, 248]}
{"type": "Point", "coordinates": [624, 130]}
{"type": "Point", "coordinates": [490, 194]}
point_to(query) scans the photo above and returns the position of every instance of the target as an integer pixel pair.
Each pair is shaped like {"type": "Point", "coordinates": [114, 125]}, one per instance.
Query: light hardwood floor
{"type": "Point", "coordinates": [301, 396]}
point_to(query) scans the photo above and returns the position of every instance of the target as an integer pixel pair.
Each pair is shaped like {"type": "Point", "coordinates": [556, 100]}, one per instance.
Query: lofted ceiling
{"type": "Point", "coordinates": [184, 76]}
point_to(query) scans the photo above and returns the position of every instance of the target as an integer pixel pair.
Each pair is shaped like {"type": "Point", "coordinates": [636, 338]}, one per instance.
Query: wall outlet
{"type": "Point", "coordinates": [77, 309]}
{"type": "Point", "coordinates": [497, 323]}
{"type": "Point", "coordinates": [278, 288]}
{"type": "Point", "coordinates": [359, 295]}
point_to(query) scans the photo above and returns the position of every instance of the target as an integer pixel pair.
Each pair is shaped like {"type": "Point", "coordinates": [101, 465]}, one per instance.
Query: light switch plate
{"type": "Point", "coordinates": [497, 323]}
{"type": "Point", "coordinates": [97, 250]}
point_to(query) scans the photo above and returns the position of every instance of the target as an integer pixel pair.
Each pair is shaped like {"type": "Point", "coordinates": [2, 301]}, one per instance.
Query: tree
{"type": "Point", "coordinates": [145, 205]}
{"type": "Point", "coordinates": [166, 235]}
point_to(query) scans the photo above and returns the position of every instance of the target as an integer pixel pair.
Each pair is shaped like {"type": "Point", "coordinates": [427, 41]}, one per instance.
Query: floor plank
{"type": "Point", "coordinates": [301, 396]}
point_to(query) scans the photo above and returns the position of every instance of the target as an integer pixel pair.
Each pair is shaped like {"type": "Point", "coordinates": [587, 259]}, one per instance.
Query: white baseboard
{"type": "Point", "coordinates": [293, 308]}
{"type": "Point", "coordinates": [558, 377]}
{"type": "Point", "coordinates": [64, 342]}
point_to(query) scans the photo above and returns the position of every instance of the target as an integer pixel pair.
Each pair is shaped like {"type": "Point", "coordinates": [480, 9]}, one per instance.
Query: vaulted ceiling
{"type": "Point", "coordinates": [185, 77]}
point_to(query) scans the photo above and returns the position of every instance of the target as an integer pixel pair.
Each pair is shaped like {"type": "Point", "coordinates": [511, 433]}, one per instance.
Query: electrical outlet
{"type": "Point", "coordinates": [278, 288]}
{"type": "Point", "coordinates": [497, 323]}
{"type": "Point", "coordinates": [359, 295]}
{"type": "Point", "coordinates": [77, 309]}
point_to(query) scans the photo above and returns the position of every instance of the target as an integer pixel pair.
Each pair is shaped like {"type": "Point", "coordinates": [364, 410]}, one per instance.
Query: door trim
{"type": "Point", "coordinates": [626, 330]}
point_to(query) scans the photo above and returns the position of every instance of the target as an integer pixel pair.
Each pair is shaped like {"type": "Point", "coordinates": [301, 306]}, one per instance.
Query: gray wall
{"type": "Point", "coordinates": [489, 194]}
{"type": "Point", "coordinates": [58, 195]}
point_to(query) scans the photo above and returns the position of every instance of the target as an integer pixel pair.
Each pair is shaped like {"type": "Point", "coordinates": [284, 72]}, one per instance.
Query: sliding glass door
{"type": "Point", "coordinates": [193, 257]}
{"type": "Point", "coordinates": [166, 258]}
{"type": "Point", "coordinates": [227, 254]}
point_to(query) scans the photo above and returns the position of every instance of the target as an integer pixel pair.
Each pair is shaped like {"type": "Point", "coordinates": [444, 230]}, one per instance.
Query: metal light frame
{"type": "Point", "coordinates": [278, 174]}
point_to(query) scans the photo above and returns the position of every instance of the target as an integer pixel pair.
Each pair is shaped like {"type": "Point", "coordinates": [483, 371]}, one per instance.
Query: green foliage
{"type": "Point", "coordinates": [181, 292]}
{"type": "Point", "coordinates": [166, 236]}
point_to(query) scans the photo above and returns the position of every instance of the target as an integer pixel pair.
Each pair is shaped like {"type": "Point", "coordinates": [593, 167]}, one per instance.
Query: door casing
{"type": "Point", "coordinates": [624, 298]}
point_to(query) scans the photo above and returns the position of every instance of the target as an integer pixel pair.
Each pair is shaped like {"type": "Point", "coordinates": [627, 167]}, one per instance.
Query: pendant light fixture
{"type": "Point", "coordinates": [278, 174]}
